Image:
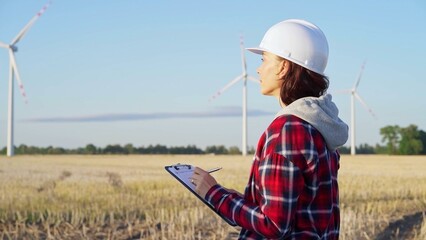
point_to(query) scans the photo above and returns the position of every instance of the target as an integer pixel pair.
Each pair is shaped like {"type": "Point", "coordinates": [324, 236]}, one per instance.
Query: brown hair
{"type": "Point", "coordinates": [300, 82]}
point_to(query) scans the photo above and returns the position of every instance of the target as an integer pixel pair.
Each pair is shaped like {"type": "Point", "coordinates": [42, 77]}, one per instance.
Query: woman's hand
{"type": "Point", "coordinates": [203, 181]}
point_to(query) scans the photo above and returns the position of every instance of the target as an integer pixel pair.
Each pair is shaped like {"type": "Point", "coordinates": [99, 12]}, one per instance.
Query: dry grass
{"type": "Point", "coordinates": [378, 190]}
{"type": "Point", "coordinates": [133, 197]}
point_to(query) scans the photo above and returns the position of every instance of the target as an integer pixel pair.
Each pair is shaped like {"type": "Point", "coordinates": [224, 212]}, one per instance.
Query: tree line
{"type": "Point", "coordinates": [397, 140]}
{"type": "Point", "coordinates": [91, 149]}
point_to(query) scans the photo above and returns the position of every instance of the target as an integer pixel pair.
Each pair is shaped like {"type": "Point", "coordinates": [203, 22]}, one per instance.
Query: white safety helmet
{"type": "Point", "coordinates": [298, 41]}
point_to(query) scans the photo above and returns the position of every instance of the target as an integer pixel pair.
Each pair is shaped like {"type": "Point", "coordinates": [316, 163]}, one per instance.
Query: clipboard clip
{"type": "Point", "coordinates": [180, 166]}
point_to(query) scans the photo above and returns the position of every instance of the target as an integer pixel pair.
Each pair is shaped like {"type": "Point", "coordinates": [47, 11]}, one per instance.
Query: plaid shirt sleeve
{"type": "Point", "coordinates": [286, 156]}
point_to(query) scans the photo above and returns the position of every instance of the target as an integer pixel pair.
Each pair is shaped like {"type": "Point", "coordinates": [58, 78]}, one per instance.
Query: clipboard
{"type": "Point", "coordinates": [183, 173]}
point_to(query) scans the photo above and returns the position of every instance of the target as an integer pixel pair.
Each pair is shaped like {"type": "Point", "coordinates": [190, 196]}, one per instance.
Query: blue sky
{"type": "Point", "coordinates": [141, 72]}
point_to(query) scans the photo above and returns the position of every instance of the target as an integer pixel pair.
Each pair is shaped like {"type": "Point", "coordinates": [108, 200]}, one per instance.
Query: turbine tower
{"type": "Point", "coordinates": [354, 95]}
{"type": "Point", "coordinates": [244, 77]}
{"type": "Point", "coordinates": [14, 74]}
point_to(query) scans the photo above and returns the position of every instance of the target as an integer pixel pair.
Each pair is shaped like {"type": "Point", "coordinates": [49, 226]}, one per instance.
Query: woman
{"type": "Point", "coordinates": [292, 191]}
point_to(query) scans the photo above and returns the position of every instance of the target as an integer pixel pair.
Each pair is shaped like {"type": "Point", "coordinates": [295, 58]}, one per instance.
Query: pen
{"type": "Point", "coordinates": [214, 170]}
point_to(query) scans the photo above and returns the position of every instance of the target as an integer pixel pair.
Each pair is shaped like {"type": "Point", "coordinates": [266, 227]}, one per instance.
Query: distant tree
{"type": "Point", "coordinates": [216, 149]}
{"type": "Point", "coordinates": [190, 149]}
{"type": "Point", "coordinates": [251, 150]}
{"type": "Point", "coordinates": [344, 150]}
{"type": "Point", "coordinates": [140, 150]}
{"type": "Point", "coordinates": [234, 150]}
{"type": "Point", "coordinates": [129, 149]}
{"type": "Point", "coordinates": [390, 136]}
{"type": "Point", "coordinates": [378, 149]}
{"type": "Point", "coordinates": [113, 149]}
{"type": "Point", "coordinates": [177, 150]}
{"type": "Point", "coordinates": [47, 150]}
{"type": "Point", "coordinates": [160, 149]}
{"type": "Point", "coordinates": [410, 143]}
{"type": "Point", "coordinates": [55, 150]}
{"type": "Point", "coordinates": [79, 150]}
{"type": "Point", "coordinates": [90, 149]}
{"type": "Point", "coordinates": [422, 137]}
{"type": "Point", "coordinates": [34, 150]}
{"type": "Point", "coordinates": [157, 149]}
{"type": "Point", "coordinates": [365, 149]}
{"type": "Point", "coordinates": [22, 149]}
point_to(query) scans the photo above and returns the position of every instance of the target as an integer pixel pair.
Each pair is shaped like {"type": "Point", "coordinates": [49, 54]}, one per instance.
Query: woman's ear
{"type": "Point", "coordinates": [282, 66]}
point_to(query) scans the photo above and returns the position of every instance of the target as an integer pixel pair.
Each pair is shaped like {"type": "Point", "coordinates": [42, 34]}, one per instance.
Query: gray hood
{"type": "Point", "coordinates": [321, 113]}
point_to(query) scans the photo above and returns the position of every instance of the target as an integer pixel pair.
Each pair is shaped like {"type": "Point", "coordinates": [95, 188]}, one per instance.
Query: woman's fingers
{"type": "Point", "coordinates": [197, 176]}
{"type": "Point", "coordinates": [203, 181]}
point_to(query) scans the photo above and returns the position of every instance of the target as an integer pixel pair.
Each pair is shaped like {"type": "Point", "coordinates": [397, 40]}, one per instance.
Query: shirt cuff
{"type": "Point", "coordinates": [214, 195]}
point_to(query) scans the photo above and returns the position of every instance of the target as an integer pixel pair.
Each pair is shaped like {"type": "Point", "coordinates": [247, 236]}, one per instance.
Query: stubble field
{"type": "Point", "coordinates": [133, 197]}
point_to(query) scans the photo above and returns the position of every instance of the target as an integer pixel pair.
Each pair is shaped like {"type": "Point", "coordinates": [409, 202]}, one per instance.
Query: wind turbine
{"type": "Point", "coordinates": [14, 74]}
{"type": "Point", "coordinates": [244, 77]}
{"type": "Point", "coordinates": [354, 95]}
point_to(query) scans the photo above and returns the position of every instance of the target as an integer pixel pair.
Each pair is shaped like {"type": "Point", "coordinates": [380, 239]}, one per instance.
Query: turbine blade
{"type": "Point", "coordinates": [243, 58]}
{"type": "Point", "coordinates": [359, 75]}
{"type": "Point", "coordinates": [29, 24]}
{"type": "Point", "coordinates": [17, 76]}
{"type": "Point", "coordinates": [364, 104]}
{"type": "Point", "coordinates": [235, 80]}
{"type": "Point", "coordinates": [4, 45]}
{"type": "Point", "coordinates": [251, 78]}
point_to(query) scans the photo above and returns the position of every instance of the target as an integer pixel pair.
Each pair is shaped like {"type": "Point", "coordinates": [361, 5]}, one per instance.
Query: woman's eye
{"type": "Point", "coordinates": [261, 59]}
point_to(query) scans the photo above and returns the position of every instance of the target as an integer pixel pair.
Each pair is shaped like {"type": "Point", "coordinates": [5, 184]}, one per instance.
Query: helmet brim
{"type": "Point", "coordinates": [256, 50]}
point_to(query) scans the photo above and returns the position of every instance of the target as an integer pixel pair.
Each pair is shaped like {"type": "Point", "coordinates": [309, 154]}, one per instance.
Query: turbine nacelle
{"type": "Point", "coordinates": [13, 48]}
{"type": "Point", "coordinates": [9, 46]}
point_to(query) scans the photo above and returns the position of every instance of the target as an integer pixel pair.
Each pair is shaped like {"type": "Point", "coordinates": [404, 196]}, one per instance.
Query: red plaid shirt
{"type": "Point", "coordinates": [292, 192]}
